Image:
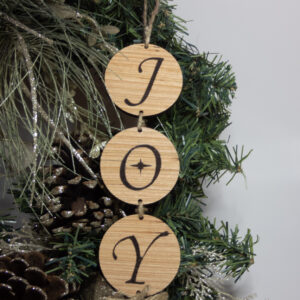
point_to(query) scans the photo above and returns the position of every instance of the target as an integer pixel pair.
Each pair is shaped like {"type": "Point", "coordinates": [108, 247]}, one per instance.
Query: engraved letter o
{"type": "Point", "coordinates": [157, 167]}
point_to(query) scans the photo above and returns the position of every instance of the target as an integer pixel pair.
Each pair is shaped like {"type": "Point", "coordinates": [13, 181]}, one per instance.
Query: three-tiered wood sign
{"type": "Point", "coordinates": [140, 166]}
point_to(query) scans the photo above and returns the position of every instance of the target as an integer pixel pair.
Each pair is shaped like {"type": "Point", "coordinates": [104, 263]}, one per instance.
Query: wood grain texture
{"type": "Point", "coordinates": [124, 81]}
{"type": "Point", "coordinates": [159, 264]}
{"type": "Point", "coordinates": [149, 162]}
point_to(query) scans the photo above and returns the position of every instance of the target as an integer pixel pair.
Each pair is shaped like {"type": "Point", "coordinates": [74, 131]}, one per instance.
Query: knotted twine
{"type": "Point", "coordinates": [148, 24]}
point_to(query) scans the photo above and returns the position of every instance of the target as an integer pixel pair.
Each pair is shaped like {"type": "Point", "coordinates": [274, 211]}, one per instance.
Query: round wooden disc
{"type": "Point", "coordinates": [140, 79]}
{"type": "Point", "coordinates": [134, 253]}
{"type": "Point", "coordinates": [139, 166]}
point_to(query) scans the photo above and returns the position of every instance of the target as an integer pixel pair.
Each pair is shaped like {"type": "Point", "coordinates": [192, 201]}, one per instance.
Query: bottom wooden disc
{"type": "Point", "coordinates": [135, 253]}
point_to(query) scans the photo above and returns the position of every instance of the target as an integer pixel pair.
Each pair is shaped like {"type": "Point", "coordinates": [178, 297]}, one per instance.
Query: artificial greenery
{"type": "Point", "coordinates": [65, 53]}
{"type": "Point", "coordinates": [76, 257]}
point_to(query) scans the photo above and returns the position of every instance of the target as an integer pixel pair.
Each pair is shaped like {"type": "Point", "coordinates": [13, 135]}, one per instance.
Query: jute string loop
{"type": "Point", "coordinates": [141, 210]}
{"type": "Point", "coordinates": [140, 123]}
{"type": "Point", "coordinates": [148, 24]}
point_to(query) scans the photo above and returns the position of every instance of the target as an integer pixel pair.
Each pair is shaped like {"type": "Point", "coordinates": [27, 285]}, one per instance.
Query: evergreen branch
{"type": "Point", "coordinates": [53, 70]}
{"type": "Point", "coordinates": [62, 137]}
{"type": "Point", "coordinates": [76, 257]}
{"type": "Point", "coordinates": [26, 28]}
{"type": "Point", "coordinates": [186, 220]}
{"type": "Point", "coordinates": [65, 11]}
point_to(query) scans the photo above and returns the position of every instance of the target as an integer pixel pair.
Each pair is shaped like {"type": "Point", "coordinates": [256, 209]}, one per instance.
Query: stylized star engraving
{"type": "Point", "coordinates": [140, 166]}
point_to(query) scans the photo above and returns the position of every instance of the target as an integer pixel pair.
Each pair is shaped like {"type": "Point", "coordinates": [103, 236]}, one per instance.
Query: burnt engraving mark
{"type": "Point", "coordinates": [140, 165]}
{"type": "Point", "coordinates": [156, 173]}
{"type": "Point", "coordinates": [149, 87]}
{"type": "Point", "coordinates": [139, 258]}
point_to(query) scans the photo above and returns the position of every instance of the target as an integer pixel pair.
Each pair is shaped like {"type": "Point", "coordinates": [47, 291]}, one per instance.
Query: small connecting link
{"type": "Point", "coordinates": [141, 210]}
{"type": "Point", "coordinates": [140, 121]}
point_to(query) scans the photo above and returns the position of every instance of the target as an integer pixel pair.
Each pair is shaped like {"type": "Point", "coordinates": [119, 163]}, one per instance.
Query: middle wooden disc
{"type": "Point", "coordinates": [139, 166]}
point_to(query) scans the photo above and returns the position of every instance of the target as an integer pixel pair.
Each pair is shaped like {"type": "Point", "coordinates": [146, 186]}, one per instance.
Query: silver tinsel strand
{"type": "Point", "coordinates": [33, 92]}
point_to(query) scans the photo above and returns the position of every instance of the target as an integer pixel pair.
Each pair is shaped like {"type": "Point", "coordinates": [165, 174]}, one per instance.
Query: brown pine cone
{"type": "Point", "coordinates": [77, 201]}
{"type": "Point", "coordinates": [24, 277]}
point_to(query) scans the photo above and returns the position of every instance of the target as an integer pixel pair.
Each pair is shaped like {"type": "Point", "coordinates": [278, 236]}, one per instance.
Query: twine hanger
{"type": "Point", "coordinates": [148, 25]}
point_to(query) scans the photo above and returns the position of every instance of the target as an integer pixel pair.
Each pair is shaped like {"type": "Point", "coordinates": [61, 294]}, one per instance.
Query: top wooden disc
{"type": "Point", "coordinates": [139, 165]}
{"type": "Point", "coordinates": [143, 79]}
{"type": "Point", "coordinates": [135, 253]}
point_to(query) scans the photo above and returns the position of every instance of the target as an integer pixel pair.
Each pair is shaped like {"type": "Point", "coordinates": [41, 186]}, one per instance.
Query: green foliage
{"type": "Point", "coordinates": [193, 124]}
{"type": "Point", "coordinates": [75, 259]}
{"type": "Point", "coordinates": [195, 230]}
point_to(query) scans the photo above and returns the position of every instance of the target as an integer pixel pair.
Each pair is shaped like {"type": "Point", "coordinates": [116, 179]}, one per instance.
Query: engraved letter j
{"type": "Point", "coordinates": [149, 87]}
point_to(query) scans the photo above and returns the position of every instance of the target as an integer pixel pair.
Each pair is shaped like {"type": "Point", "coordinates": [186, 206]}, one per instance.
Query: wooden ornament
{"type": "Point", "coordinates": [143, 79]}
{"type": "Point", "coordinates": [139, 166]}
{"type": "Point", "coordinates": [136, 253]}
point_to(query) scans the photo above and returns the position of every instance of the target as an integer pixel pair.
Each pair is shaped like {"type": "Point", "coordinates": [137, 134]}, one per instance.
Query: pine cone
{"type": "Point", "coordinates": [77, 201]}
{"type": "Point", "coordinates": [23, 277]}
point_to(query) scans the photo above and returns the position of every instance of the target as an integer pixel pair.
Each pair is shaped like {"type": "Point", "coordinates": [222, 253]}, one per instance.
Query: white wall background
{"type": "Point", "coordinates": [261, 40]}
